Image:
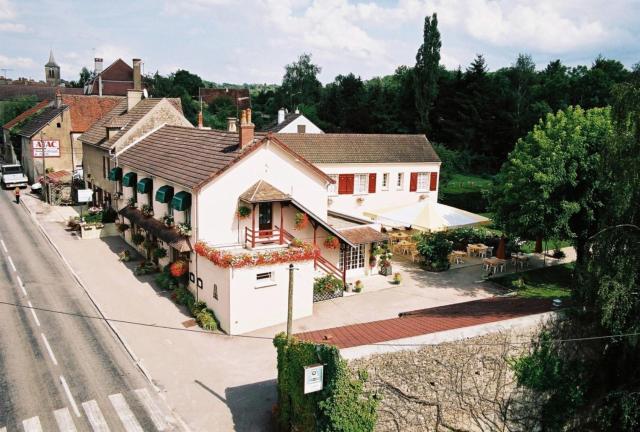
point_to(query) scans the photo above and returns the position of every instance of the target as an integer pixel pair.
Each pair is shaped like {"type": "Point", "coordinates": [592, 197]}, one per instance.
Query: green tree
{"type": "Point", "coordinates": [300, 83]}
{"type": "Point", "coordinates": [549, 184]}
{"type": "Point", "coordinates": [427, 69]}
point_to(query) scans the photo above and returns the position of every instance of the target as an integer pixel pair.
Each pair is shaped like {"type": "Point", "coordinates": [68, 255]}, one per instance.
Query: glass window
{"type": "Point", "coordinates": [333, 188]}
{"type": "Point", "coordinates": [385, 181]}
{"type": "Point", "coordinates": [187, 216]}
{"type": "Point", "coordinates": [423, 181]}
{"type": "Point", "coordinates": [265, 279]}
{"type": "Point", "coordinates": [355, 258]}
{"type": "Point", "coordinates": [360, 183]}
{"type": "Point", "coordinates": [400, 181]}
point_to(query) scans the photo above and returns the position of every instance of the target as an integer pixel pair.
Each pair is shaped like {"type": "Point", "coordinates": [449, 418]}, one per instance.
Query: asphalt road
{"type": "Point", "coordinates": [58, 369]}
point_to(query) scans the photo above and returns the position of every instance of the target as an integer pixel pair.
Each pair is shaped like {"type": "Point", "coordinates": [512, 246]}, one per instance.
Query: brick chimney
{"type": "Point", "coordinates": [281, 115]}
{"type": "Point", "coordinates": [232, 124]}
{"type": "Point", "coordinates": [133, 97]}
{"type": "Point", "coordinates": [200, 121]}
{"type": "Point", "coordinates": [97, 65]}
{"type": "Point", "coordinates": [58, 99]}
{"type": "Point", "coordinates": [246, 129]}
{"type": "Point", "coordinates": [137, 74]}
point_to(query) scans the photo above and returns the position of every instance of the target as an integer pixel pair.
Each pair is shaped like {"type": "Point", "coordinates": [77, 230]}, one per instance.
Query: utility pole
{"type": "Point", "coordinates": [290, 304]}
{"type": "Point", "coordinates": [44, 169]}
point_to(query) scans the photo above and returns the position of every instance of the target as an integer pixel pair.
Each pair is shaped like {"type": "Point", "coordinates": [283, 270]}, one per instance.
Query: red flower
{"type": "Point", "coordinates": [178, 268]}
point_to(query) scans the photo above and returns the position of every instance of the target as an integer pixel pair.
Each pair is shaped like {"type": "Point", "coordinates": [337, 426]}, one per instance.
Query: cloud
{"type": "Point", "coordinates": [16, 62]}
{"type": "Point", "coordinates": [7, 11]}
{"type": "Point", "coordinates": [12, 27]}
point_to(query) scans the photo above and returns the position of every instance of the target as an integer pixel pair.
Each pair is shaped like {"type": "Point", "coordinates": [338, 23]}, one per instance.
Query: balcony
{"type": "Point", "coordinates": [275, 236]}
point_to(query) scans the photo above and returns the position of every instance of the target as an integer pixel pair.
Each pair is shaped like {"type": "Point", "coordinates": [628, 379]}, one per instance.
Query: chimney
{"type": "Point", "coordinates": [200, 122]}
{"type": "Point", "coordinates": [98, 65]}
{"type": "Point", "coordinates": [133, 97]}
{"type": "Point", "coordinates": [232, 124]}
{"type": "Point", "coordinates": [246, 129]}
{"type": "Point", "coordinates": [281, 115]}
{"type": "Point", "coordinates": [58, 99]}
{"type": "Point", "coordinates": [137, 75]}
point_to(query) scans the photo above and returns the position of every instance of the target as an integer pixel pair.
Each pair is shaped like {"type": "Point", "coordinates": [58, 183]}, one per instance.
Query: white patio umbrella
{"type": "Point", "coordinates": [427, 216]}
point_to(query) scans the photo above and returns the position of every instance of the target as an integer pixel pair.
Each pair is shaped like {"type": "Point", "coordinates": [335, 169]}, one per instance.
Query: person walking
{"type": "Point", "coordinates": [17, 193]}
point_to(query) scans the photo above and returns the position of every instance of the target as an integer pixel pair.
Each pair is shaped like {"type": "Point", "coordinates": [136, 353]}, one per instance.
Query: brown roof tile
{"type": "Point", "coordinates": [86, 110]}
{"type": "Point", "coordinates": [360, 148]}
{"type": "Point", "coordinates": [26, 114]}
{"type": "Point", "coordinates": [363, 234]}
{"type": "Point", "coordinates": [263, 192]}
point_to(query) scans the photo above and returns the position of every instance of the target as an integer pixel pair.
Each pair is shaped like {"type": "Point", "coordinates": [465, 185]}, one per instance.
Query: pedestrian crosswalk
{"type": "Point", "coordinates": [94, 416]}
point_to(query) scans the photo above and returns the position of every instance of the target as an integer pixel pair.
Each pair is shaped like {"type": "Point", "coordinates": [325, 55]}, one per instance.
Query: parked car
{"type": "Point", "coordinates": [13, 176]}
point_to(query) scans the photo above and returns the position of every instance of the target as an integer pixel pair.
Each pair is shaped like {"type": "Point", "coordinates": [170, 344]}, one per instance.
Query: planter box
{"type": "Point", "coordinates": [92, 232]}
{"type": "Point", "coordinates": [386, 271]}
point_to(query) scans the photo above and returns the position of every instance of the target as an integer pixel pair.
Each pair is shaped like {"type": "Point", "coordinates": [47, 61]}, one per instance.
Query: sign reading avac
{"type": "Point", "coordinates": [51, 148]}
{"type": "Point", "coordinates": [313, 378]}
{"type": "Point", "coordinates": [85, 195]}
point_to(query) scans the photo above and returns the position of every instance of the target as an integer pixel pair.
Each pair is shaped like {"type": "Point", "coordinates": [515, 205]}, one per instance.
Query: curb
{"type": "Point", "coordinates": [114, 332]}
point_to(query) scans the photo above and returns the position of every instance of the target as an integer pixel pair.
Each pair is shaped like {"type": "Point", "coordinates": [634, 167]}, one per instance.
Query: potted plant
{"type": "Point", "coordinates": [331, 242]}
{"type": "Point", "coordinates": [147, 210]}
{"type": "Point", "coordinates": [124, 256]}
{"type": "Point", "coordinates": [184, 229]}
{"type": "Point", "coordinates": [360, 200]}
{"type": "Point", "coordinates": [397, 278]}
{"type": "Point", "coordinates": [131, 202]}
{"type": "Point", "coordinates": [167, 219]}
{"type": "Point", "coordinates": [302, 220]}
{"type": "Point", "coordinates": [137, 239]}
{"type": "Point", "coordinates": [359, 286]}
{"type": "Point", "coordinates": [159, 253]}
{"type": "Point", "coordinates": [243, 212]}
{"type": "Point", "coordinates": [385, 262]}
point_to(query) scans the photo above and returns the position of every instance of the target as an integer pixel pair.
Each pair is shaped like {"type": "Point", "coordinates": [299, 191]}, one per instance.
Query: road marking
{"type": "Point", "coordinates": [124, 412]}
{"type": "Point", "coordinates": [4, 246]}
{"type": "Point", "coordinates": [152, 409]}
{"type": "Point", "coordinates": [35, 317]}
{"type": "Point", "coordinates": [70, 397]}
{"type": "Point", "coordinates": [32, 425]}
{"type": "Point", "coordinates": [24, 291]}
{"type": "Point", "coordinates": [4, 429]}
{"type": "Point", "coordinates": [46, 344]}
{"type": "Point", "coordinates": [95, 417]}
{"type": "Point", "coordinates": [64, 420]}
{"type": "Point", "coordinates": [12, 264]}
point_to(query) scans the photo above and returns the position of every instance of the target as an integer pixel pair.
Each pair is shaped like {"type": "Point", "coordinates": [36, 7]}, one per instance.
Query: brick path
{"type": "Point", "coordinates": [420, 322]}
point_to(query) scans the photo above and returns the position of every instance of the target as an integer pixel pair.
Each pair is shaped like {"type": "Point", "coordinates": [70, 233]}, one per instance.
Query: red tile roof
{"type": "Point", "coordinates": [425, 321]}
{"type": "Point", "coordinates": [86, 110]}
{"type": "Point", "coordinates": [363, 235]}
{"type": "Point", "coordinates": [28, 113]}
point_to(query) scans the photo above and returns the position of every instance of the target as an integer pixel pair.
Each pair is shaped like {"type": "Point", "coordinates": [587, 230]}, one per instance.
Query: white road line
{"type": "Point", "coordinates": [153, 410]}
{"type": "Point", "coordinates": [64, 420]}
{"type": "Point", "coordinates": [70, 397]}
{"type": "Point", "coordinates": [12, 264]}
{"type": "Point", "coordinates": [95, 417]}
{"type": "Point", "coordinates": [24, 291]}
{"type": "Point", "coordinates": [4, 246]}
{"type": "Point", "coordinates": [124, 412]}
{"type": "Point", "coordinates": [32, 425]}
{"type": "Point", "coordinates": [4, 429]}
{"type": "Point", "coordinates": [46, 344]}
{"type": "Point", "coordinates": [33, 312]}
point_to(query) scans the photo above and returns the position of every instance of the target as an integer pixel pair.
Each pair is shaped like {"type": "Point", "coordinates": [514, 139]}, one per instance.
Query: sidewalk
{"type": "Point", "coordinates": [213, 382]}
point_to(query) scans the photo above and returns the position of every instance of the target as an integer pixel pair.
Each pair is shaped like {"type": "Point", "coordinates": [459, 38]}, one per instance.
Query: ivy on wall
{"type": "Point", "coordinates": [342, 404]}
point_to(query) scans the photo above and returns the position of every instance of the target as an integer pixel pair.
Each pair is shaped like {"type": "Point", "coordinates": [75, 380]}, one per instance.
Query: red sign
{"type": "Point", "coordinates": [51, 148]}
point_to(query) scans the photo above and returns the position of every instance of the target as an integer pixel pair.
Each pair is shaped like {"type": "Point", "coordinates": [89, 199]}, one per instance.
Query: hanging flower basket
{"type": "Point", "coordinates": [167, 220]}
{"type": "Point", "coordinates": [184, 229]}
{"type": "Point", "coordinates": [243, 212]}
{"type": "Point", "coordinates": [302, 220]}
{"type": "Point", "coordinates": [331, 242]}
{"type": "Point", "coordinates": [146, 210]}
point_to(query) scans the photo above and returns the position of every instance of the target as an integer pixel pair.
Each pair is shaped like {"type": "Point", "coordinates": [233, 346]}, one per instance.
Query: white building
{"type": "Point", "coordinates": [292, 123]}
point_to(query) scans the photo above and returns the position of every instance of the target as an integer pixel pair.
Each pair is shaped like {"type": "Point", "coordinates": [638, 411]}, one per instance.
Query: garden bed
{"type": "Point", "coordinates": [548, 282]}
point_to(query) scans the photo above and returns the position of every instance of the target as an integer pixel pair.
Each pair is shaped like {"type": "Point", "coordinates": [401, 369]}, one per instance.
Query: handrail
{"type": "Point", "coordinates": [261, 236]}
{"type": "Point", "coordinates": [326, 263]}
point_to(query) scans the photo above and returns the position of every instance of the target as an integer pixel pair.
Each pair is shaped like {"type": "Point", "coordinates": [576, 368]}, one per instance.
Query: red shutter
{"type": "Point", "coordinates": [345, 184]}
{"type": "Point", "coordinates": [372, 183]}
{"type": "Point", "coordinates": [413, 182]}
{"type": "Point", "coordinates": [434, 181]}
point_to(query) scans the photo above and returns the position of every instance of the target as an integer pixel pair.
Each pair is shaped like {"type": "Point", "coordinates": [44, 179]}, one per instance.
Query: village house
{"type": "Point", "coordinates": [294, 122]}
{"type": "Point", "coordinates": [132, 118]}
{"type": "Point", "coordinates": [56, 126]}
{"type": "Point", "coordinates": [116, 79]}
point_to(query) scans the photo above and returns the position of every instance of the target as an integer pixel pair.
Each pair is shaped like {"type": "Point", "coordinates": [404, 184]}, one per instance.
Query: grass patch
{"type": "Point", "coordinates": [461, 183]}
{"type": "Point", "coordinates": [530, 245]}
{"type": "Point", "coordinates": [548, 282]}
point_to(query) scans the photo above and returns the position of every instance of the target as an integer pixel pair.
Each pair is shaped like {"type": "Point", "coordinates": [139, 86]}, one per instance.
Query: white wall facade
{"type": "Point", "coordinates": [359, 202]}
{"type": "Point", "coordinates": [301, 120]}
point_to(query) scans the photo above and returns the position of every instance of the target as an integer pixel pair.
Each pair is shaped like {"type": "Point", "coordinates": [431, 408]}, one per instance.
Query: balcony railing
{"type": "Point", "coordinates": [257, 237]}
{"type": "Point", "coordinates": [326, 266]}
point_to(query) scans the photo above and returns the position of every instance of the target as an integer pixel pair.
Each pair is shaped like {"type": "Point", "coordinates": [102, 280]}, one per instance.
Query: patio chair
{"type": "Point", "coordinates": [489, 252]}
{"type": "Point", "coordinates": [415, 256]}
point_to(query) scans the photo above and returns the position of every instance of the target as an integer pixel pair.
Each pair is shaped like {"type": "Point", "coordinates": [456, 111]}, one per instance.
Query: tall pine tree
{"type": "Point", "coordinates": [427, 70]}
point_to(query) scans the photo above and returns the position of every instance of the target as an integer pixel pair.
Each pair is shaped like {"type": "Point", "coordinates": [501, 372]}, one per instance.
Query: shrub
{"type": "Point", "coordinates": [124, 256]}
{"type": "Point", "coordinates": [109, 215]}
{"type": "Point", "coordinates": [359, 286]}
{"type": "Point", "coordinates": [137, 239]}
{"type": "Point", "coordinates": [122, 227]}
{"type": "Point", "coordinates": [159, 252]}
{"type": "Point", "coordinates": [145, 268]}
{"type": "Point", "coordinates": [198, 307]}
{"type": "Point", "coordinates": [207, 320]}
{"type": "Point", "coordinates": [147, 210]}
{"type": "Point", "coordinates": [397, 278]}
{"type": "Point", "coordinates": [178, 268]}
{"type": "Point", "coordinates": [164, 281]}
{"type": "Point", "coordinates": [327, 285]}
{"type": "Point", "coordinates": [558, 253]}
{"type": "Point", "coordinates": [435, 250]}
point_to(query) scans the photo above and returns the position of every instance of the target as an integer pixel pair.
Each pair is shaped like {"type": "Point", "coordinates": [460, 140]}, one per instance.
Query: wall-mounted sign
{"type": "Point", "coordinates": [313, 378]}
{"type": "Point", "coordinates": [85, 195]}
{"type": "Point", "coordinates": [51, 148]}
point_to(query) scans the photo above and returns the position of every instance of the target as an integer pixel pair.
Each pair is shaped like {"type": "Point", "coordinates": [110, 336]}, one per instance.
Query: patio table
{"type": "Point", "coordinates": [478, 248]}
{"type": "Point", "coordinates": [405, 246]}
{"type": "Point", "coordinates": [457, 256]}
{"type": "Point", "coordinates": [520, 259]}
{"type": "Point", "coordinates": [494, 262]}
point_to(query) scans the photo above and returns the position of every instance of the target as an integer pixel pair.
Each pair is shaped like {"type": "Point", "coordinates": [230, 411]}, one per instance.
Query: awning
{"type": "Point", "coordinates": [363, 235]}
{"type": "Point", "coordinates": [145, 185]}
{"type": "Point", "coordinates": [129, 179]}
{"type": "Point", "coordinates": [427, 216]}
{"type": "Point", "coordinates": [164, 194]}
{"type": "Point", "coordinates": [181, 201]}
{"type": "Point", "coordinates": [167, 234]}
{"type": "Point", "coordinates": [115, 174]}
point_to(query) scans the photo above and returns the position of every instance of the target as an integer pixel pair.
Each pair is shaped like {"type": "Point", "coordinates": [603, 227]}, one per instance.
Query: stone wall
{"type": "Point", "coordinates": [465, 385]}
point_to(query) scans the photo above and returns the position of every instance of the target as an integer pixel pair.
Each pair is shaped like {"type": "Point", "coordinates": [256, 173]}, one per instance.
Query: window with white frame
{"type": "Point", "coordinates": [400, 181]}
{"type": "Point", "coordinates": [265, 279]}
{"type": "Point", "coordinates": [355, 258]}
{"type": "Point", "coordinates": [360, 184]}
{"type": "Point", "coordinates": [333, 188]}
{"type": "Point", "coordinates": [423, 182]}
{"type": "Point", "coordinates": [385, 181]}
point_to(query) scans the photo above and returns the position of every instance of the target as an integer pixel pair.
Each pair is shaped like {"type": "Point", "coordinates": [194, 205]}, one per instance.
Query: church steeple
{"type": "Point", "coordinates": [52, 71]}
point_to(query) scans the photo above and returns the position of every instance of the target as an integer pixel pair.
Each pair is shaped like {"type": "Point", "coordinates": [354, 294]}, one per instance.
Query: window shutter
{"type": "Point", "coordinates": [372, 183]}
{"type": "Point", "coordinates": [413, 182]}
{"type": "Point", "coordinates": [434, 181]}
{"type": "Point", "coordinates": [345, 184]}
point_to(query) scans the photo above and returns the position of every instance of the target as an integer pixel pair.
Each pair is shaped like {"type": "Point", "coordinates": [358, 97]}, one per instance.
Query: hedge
{"type": "Point", "coordinates": [342, 404]}
{"type": "Point", "coordinates": [475, 202]}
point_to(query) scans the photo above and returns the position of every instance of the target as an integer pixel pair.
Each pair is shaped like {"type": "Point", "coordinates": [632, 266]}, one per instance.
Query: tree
{"type": "Point", "coordinates": [84, 78]}
{"type": "Point", "coordinates": [300, 83]}
{"type": "Point", "coordinates": [549, 184]}
{"type": "Point", "coordinates": [427, 70]}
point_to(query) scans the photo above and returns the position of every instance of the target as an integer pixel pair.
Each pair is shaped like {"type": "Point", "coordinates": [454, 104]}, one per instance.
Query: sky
{"type": "Point", "coordinates": [251, 41]}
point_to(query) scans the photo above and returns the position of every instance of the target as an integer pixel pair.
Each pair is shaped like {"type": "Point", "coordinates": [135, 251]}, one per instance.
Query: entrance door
{"type": "Point", "coordinates": [265, 218]}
